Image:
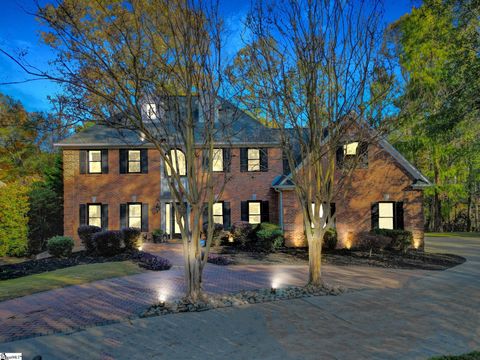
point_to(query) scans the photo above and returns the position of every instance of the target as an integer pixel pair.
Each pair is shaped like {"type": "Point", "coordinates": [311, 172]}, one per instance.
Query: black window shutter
{"type": "Point", "coordinates": [144, 161]}
{"type": "Point", "coordinates": [205, 159]}
{"type": "Point", "coordinates": [243, 159]}
{"type": "Point", "coordinates": [339, 156]}
{"type": "Point", "coordinates": [244, 210]}
{"type": "Point", "coordinates": [123, 216]}
{"type": "Point", "coordinates": [205, 215]}
{"type": "Point", "coordinates": [374, 216]}
{"type": "Point", "coordinates": [265, 213]}
{"type": "Point", "coordinates": [123, 161]}
{"type": "Point", "coordinates": [264, 159]}
{"type": "Point", "coordinates": [104, 217]}
{"type": "Point", "coordinates": [226, 216]}
{"type": "Point", "coordinates": [144, 217]}
{"type": "Point", "coordinates": [83, 161]}
{"type": "Point", "coordinates": [226, 160]}
{"type": "Point", "coordinates": [286, 165]}
{"type": "Point", "coordinates": [83, 214]}
{"type": "Point", "coordinates": [104, 161]}
{"type": "Point", "coordinates": [398, 215]}
{"type": "Point", "coordinates": [363, 153]}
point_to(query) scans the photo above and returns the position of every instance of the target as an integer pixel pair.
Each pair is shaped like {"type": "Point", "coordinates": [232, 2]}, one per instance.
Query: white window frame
{"type": "Point", "coordinates": [386, 220]}
{"type": "Point", "coordinates": [130, 217]}
{"type": "Point", "coordinates": [259, 214]}
{"type": "Point", "coordinates": [130, 161]}
{"type": "Point", "coordinates": [96, 218]}
{"type": "Point", "coordinates": [150, 110]}
{"type": "Point", "coordinates": [97, 162]}
{"type": "Point", "coordinates": [253, 162]}
{"type": "Point", "coordinates": [177, 154]}
{"type": "Point", "coordinates": [217, 160]}
{"type": "Point", "coordinates": [217, 212]}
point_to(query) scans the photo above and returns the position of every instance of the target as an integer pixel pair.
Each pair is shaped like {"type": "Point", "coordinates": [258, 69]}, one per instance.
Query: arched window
{"type": "Point", "coordinates": [177, 157]}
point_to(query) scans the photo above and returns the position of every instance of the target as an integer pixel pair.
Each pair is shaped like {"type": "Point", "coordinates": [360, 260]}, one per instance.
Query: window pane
{"type": "Point", "coordinates": [135, 222]}
{"type": "Point", "coordinates": [150, 110]}
{"type": "Point", "coordinates": [177, 155]}
{"type": "Point", "coordinates": [385, 223]}
{"type": "Point", "coordinates": [218, 209]}
{"type": "Point", "coordinates": [95, 167]}
{"type": "Point", "coordinates": [135, 210]}
{"type": "Point", "coordinates": [350, 149]}
{"type": "Point", "coordinates": [254, 208]}
{"type": "Point", "coordinates": [95, 155]}
{"type": "Point", "coordinates": [217, 160]}
{"type": "Point", "coordinates": [134, 167]}
{"type": "Point", "coordinates": [95, 222]}
{"type": "Point", "coordinates": [218, 219]}
{"type": "Point", "coordinates": [94, 210]}
{"type": "Point", "coordinates": [253, 165]}
{"type": "Point", "coordinates": [254, 219]}
{"type": "Point", "coordinates": [168, 219]}
{"type": "Point", "coordinates": [385, 210]}
{"type": "Point", "coordinates": [177, 226]}
{"type": "Point", "coordinates": [253, 154]}
{"type": "Point", "coordinates": [134, 155]}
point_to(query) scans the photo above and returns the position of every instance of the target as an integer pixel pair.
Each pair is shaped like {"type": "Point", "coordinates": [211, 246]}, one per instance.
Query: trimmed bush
{"type": "Point", "coordinates": [330, 239]}
{"type": "Point", "coordinates": [402, 240]}
{"type": "Point", "coordinates": [219, 260]}
{"type": "Point", "coordinates": [13, 220]}
{"type": "Point", "coordinates": [243, 235]}
{"type": "Point", "coordinates": [219, 235]}
{"type": "Point", "coordinates": [60, 246]}
{"type": "Point", "coordinates": [131, 238]}
{"type": "Point", "coordinates": [372, 242]}
{"type": "Point", "coordinates": [152, 262]}
{"type": "Point", "coordinates": [157, 235]}
{"type": "Point", "coordinates": [269, 237]}
{"type": "Point", "coordinates": [108, 243]}
{"type": "Point", "coordinates": [85, 233]}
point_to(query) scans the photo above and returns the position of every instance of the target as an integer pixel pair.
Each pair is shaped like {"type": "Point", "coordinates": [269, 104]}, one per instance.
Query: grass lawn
{"type": "Point", "coordinates": [74, 275]}
{"type": "Point", "coordinates": [455, 234]}
{"type": "Point", "coordinates": [470, 356]}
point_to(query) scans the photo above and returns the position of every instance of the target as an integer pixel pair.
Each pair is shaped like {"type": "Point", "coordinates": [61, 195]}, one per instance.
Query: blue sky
{"type": "Point", "coordinates": [19, 31]}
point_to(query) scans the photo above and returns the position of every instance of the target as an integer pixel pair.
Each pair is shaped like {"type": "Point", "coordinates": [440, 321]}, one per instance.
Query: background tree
{"type": "Point", "coordinates": [315, 69]}
{"type": "Point", "coordinates": [437, 46]}
{"type": "Point", "coordinates": [115, 57]}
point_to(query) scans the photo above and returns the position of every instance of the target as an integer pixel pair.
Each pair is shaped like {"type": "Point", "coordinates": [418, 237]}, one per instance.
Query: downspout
{"type": "Point", "coordinates": [280, 207]}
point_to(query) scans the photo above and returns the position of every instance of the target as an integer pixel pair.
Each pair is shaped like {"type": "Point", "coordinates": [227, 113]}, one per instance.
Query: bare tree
{"type": "Point", "coordinates": [315, 69]}
{"type": "Point", "coordinates": [154, 68]}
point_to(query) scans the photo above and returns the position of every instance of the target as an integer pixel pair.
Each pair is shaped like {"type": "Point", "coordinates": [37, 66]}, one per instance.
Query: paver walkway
{"type": "Point", "coordinates": [76, 307]}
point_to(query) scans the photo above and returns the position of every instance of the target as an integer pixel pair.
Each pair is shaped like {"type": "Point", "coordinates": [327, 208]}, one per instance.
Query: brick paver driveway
{"type": "Point", "coordinates": [398, 315]}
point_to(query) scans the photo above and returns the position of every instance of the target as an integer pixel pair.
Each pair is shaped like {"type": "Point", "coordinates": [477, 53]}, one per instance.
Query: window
{"type": "Point", "coordinates": [134, 161]}
{"type": "Point", "coordinates": [135, 216]}
{"type": "Point", "coordinates": [385, 215]}
{"type": "Point", "coordinates": [254, 212]}
{"type": "Point", "coordinates": [321, 215]}
{"type": "Point", "coordinates": [350, 149]}
{"type": "Point", "coordinates": [95, 215]}
{"type": "Point", "coordinates": [150, 110]}
{"type": "Point", "coordinates": [95, 162]}
{"type": "Point", "coordinates": [177, 157]}
{"type": "Point", "coordinates": [253, 160]}
{"type": "Point", "coordinates": [218, 213]}
{"type": "Point", "coordinates": [217, 160]}
{"type": "Point", "coordinates": [171, 220]}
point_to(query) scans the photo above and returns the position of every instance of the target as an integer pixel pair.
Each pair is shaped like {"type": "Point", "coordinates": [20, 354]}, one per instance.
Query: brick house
{"type": "Point", "coordinates": [115, 179]}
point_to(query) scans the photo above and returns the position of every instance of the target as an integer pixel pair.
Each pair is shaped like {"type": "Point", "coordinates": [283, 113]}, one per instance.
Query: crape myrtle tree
{"type": "Point", "coordinates": [318, 73]}
{"type": "Point", "coordinates": [145, 67]}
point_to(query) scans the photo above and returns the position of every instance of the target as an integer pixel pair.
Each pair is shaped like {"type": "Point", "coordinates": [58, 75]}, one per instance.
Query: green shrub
{"type": "Point", "coordinates": [60, 246]}
{"type": "Point", "coordinates": [85, 233]}
{"type": "Point", "coordinates": [132, 238]}
{"type": "Point", "coordinates": [157, 235]}
{"type": "Point", "coordinates": [369, 241]}
{"type": "Point", "coordinates": [243, 235]}
{"type": "Point", "coordinates": [402, 240]}
{"type": "Point", "coordinates": [13, 220]}
{"type": "Point", "coordinates": [330, 239]}
{"type": "Point", "coordinates": [219, 235]}
{"type": "Point", "coordinates": [108, 243]}
{"type": "Point", "coordinates": [269, 237]}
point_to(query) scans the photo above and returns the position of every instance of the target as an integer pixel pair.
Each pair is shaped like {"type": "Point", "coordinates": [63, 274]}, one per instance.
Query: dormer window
{"type": "Point", "coordinates": [352, 154]}
{"type": "Point", "coordinates": [350, 148]}
{"type": "Point", "coordinates": [150, 110]}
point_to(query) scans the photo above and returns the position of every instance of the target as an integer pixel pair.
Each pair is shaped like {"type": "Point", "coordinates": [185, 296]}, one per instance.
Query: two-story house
{"type": "Point", "coordinates": [115, 179]}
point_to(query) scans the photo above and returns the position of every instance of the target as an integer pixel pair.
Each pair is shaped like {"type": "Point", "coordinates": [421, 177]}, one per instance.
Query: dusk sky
{"type": "Point", "coordinates": [19, 31]}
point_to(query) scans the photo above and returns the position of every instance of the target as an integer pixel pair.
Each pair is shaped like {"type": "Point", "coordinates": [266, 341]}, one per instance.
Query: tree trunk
{"type": "Point", "coordinates": [469, 213]}
{"type": "Point", "coordinates": [193, 278]}
{"type": "Point", "coordinates": [315, 260]}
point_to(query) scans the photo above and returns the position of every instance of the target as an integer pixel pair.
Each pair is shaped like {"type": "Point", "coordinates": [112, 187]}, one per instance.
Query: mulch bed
{"type": "Point", "coordinates": [31, 267]}
{"type": "Point", "coordinates": [343, 257]}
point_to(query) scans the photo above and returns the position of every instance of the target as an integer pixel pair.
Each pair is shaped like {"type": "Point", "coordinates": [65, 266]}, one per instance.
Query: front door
{"type": "Point", "coordinates": [171, 226]}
